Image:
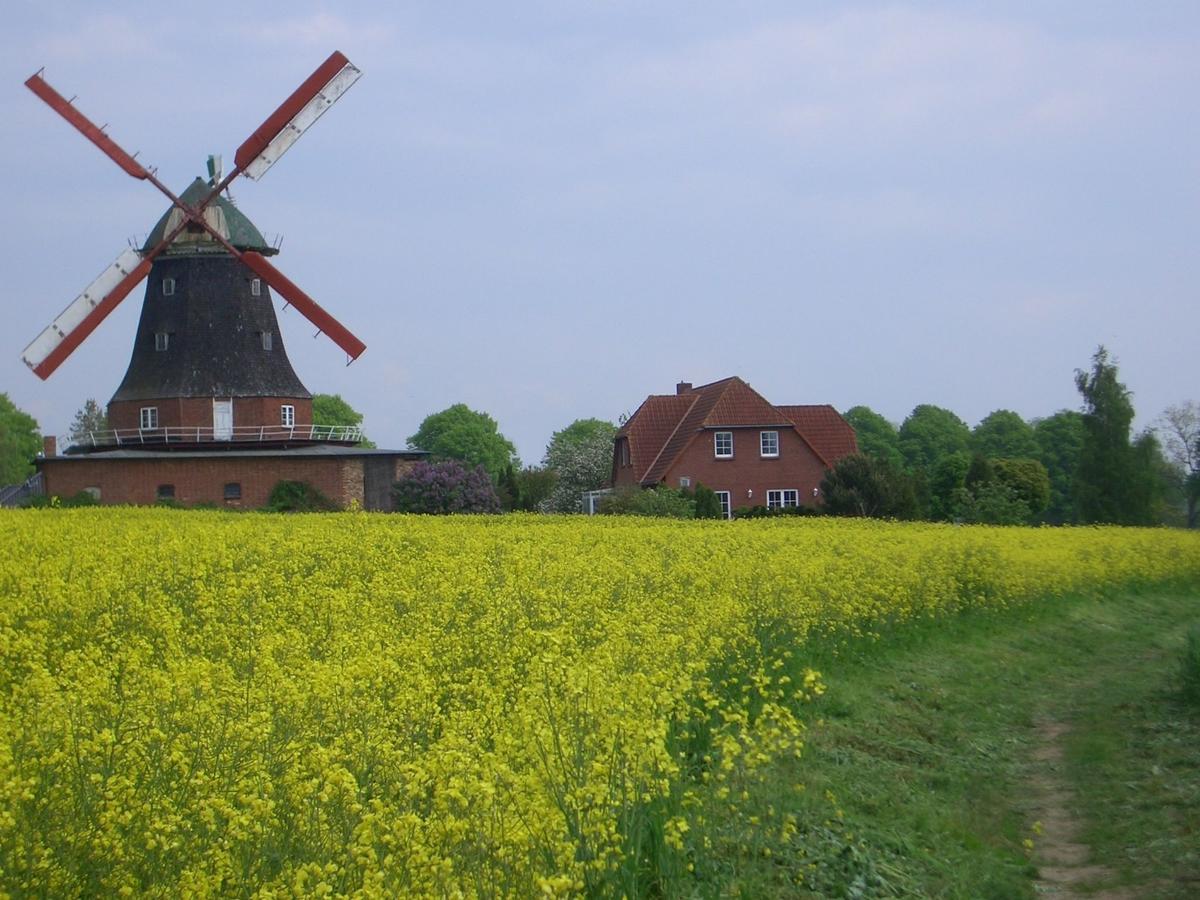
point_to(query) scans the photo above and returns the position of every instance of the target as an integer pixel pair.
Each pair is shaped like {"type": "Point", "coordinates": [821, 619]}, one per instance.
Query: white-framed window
{"type": "Point", "coordinates": [684, 481]}
{"type": "Point", "coordinates": [768, 443]}
{"type": "Point", "coordinates": [148, 420]}
{"type": "Point", "coordinates": [287, 415]}
{"type": "Point", "coordinates": [268, 340]}
{"type": "Point", "coordinates": [783, 498]}
{"type": "Point", "coordinates": [168, 287]}
{"type": "Point", "coordinates": [726, 503]}
{"type": "Point", "coordinates": [723, 444]}
{"type": "Point", "coordinates": [161, 340]}
{"type": "Point", "coordinates": [256, 289]}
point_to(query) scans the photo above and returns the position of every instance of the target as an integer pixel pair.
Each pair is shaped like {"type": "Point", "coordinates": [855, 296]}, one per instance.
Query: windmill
{"type": "Point", "coordinates": [215, 339]}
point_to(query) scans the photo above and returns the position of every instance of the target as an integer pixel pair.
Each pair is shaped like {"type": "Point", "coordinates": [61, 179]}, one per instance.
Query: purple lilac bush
{"type": "Point", "coordinates": [445, 487]}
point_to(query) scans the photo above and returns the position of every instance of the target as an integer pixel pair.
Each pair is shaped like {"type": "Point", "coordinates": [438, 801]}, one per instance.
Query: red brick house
{"type": "Point", "coordinates": [726, 436]}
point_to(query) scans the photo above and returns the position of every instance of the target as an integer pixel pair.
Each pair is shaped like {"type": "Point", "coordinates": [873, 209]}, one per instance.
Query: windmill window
{"type": "Point", "coordinates": [233, 491]}
{"type": "Point", "coordinates": [165, 492]}
{"type": "Point", "coordinates": [161, 340]}
{"type": "Point", "coordinates": [287, 415]}
{"type": "Point", "coordinates": [149, 418]}
{"type": "Point", "coordinates": [268, 340]}
{"type": "Point", "coordinates": [168, 287]}
{"type": "Point", "coordinates": [256, 289]}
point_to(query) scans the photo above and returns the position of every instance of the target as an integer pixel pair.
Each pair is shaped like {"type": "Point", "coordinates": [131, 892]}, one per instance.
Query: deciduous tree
{"type": "Point", "coordinates": [20, 442]}
{"type": "Point", "coordinates": [877, 437]}
{"type": "Point", "coordinates": [930, 433]}
{"type": "Point", "coordinates": [473, 438]}
{"type": "Point", "coordinates": [1004, 435]}
{"type": "Point", "coordinates": [581, 456]}
{"type": "Point", "coordinates": [331, 411]}
{"type": "Point", "coordinates": [1060, 439]}
{"type": "Point", "coordinates": [1179, 428]}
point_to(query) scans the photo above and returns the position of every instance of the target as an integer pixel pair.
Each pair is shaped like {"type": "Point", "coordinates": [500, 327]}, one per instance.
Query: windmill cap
{"type": "Point", "coordinates": [242, 233]}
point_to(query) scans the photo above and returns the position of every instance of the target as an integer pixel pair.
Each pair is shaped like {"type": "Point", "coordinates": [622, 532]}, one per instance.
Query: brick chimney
{"type": "Point", "coordinates": [683, 387]}
{"type": "Point", "coordinates": [49, 445]}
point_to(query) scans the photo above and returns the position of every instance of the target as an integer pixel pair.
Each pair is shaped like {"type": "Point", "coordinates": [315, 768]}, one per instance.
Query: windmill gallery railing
{"type": "Point", "coordinates": [242, 434]}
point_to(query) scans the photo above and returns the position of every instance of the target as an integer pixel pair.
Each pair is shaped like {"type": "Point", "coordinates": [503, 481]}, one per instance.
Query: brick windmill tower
{"type": "Point", "coordinates": [210, 408]}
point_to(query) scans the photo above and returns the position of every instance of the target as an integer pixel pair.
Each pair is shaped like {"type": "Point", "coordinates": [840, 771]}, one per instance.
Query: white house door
{"type": "Point", "coordinates": [222, 420]}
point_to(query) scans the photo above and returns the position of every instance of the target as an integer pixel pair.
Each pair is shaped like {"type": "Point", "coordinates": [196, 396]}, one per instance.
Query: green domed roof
{"type": "Point", "coordinates": [239, 230]}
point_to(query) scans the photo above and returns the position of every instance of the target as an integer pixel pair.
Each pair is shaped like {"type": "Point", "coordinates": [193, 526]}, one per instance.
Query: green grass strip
{"type": "Point", "coordinates": [927, 761]}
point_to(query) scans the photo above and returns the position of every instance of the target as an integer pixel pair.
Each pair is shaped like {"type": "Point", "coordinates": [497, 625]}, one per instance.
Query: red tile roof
{"type": "Point", "coordinates": [664, 425]}
{"type": "Point", "coordinates": [824, 429]}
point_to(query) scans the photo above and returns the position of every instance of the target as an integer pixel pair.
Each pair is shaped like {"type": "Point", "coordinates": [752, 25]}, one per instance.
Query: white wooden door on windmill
{"type": "Point", "coordinates": [222, 420]}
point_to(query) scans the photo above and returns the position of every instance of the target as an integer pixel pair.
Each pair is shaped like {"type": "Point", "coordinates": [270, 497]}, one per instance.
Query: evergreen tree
{"type": "Point", "coordinates": [89, 420]}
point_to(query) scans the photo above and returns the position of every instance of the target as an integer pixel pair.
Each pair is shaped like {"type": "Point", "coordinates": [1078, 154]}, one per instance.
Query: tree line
{"type": "Point", "coordinates": [1072, 467]}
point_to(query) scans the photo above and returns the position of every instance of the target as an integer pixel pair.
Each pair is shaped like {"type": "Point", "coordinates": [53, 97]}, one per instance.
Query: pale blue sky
{"type": "Point", "coordinates": [549, 210]}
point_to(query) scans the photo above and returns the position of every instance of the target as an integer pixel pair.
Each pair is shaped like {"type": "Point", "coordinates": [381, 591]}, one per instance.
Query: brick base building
{"type": "Point", "coordinates": [236, 477]}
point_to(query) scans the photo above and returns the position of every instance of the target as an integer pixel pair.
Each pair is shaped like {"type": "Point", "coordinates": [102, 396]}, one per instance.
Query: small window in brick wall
{"type": "Point", "coordinates": [165, 492]}
{"type": "Point", "coordinates": [233, 491]}
{"type": "Point", "coordinates": [287, 415]}
{"type": "Point", "coordinates": [148, 418]}
{"type": "Point", "coordinates": [768, 443]}
{"type": "Point", "coordinates": [723, 444]}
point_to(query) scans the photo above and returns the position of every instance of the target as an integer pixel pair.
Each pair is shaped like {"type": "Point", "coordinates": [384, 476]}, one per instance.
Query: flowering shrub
{"type": "Point", "coordinates": [445, 487]}
{"type": "Point", "coordinates": [197, 704]}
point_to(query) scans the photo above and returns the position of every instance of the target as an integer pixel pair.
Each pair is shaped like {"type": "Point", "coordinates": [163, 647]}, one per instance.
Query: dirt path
{"type": "Point", "coordinates": [1062, 861]}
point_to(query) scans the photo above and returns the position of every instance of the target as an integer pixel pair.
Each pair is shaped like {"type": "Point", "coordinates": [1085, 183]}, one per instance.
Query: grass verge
{"type": "Point", "coordinates": [915, 778]}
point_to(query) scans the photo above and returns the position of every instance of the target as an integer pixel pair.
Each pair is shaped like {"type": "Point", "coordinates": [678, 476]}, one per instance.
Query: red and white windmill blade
{"type": "Point", "coordinates": [256, 154]}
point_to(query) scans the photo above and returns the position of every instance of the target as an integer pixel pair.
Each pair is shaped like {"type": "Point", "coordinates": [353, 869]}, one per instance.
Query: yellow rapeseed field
{"type": "Point", "coordinates": [203, 704]}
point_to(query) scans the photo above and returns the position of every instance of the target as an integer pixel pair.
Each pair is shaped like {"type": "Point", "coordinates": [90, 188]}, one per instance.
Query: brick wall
{"type": "Point", "coordinates": [136, 481]}
{"type": "Point", "coordinates": [796, 468]}
{"type": "Point", "coordinates": [197, 412]}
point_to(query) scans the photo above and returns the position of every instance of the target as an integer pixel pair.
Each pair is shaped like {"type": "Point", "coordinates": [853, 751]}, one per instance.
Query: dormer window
{"type": "Point", "coordinates": [161, 340]}
{"type": "Point", "coordinates": [256, 290]}
{"type": "Point", "coordinates": [168, 287]}
{"type": "Point", "coordinates": [268, 340]}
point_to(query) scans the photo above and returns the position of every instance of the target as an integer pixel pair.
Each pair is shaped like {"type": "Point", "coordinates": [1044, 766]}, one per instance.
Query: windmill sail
{"type": "Point", "coordinates": [295, 115]}
{"type": "Point", "coordinates": [307, 306]}
{"type": "Point", "coordinates": [48, 350]}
